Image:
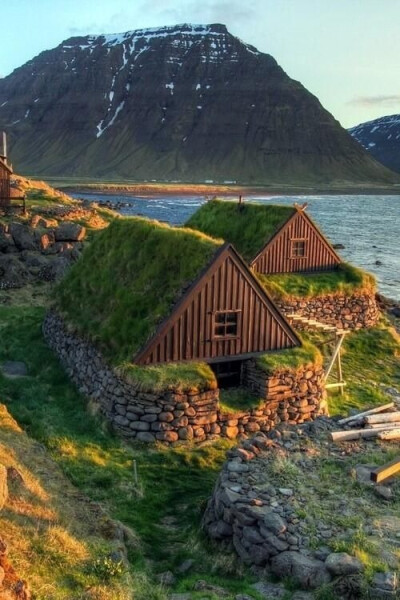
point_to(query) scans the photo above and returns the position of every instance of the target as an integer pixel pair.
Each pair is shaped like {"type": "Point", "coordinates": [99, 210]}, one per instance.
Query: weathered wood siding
{"type": "Point", "coordinates": [4, 185]}
{"type": "Point", "coordinates": [276, 256]}
{"type": "Point", "coordinates": [227, 285]}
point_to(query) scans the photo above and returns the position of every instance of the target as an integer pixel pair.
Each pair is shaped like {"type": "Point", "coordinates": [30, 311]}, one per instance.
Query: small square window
{"type": "Point", "coordinates": [298, 248]}
{"type": "Point", "coordinates": [226, 324]}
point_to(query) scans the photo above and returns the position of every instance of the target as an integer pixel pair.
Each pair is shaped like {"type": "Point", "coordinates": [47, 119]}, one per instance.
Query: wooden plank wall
{"type": "Point", "coordinates": [277, 256]}
{"type": "Point", "coordinates": [4, 186]}
{"type": "Point", "coordinates": [190, 336]}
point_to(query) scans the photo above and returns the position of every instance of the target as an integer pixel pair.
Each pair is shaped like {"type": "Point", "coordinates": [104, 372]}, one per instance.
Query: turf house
{"type": "Point", "coordinates": [293, 260]}
{"type": "Point", "coordinates": [153, 320]}
{"type": "Point", "coordinates": [272, 238]}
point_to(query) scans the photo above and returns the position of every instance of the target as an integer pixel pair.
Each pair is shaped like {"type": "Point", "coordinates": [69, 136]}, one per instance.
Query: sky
{"type": "Point", "coordinates": [345, 52]}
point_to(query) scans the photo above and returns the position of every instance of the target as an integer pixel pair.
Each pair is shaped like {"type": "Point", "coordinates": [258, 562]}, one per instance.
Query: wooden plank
{"type": "Point", "coordinates": [386, 471]}
{"type": "Point", "coordinates": [336, 384]}
{"type": "Point", "coordinates": [381, 425]}
{"type": "Point", "coordinates": [332, 361]}
{"type": "Point", "coordinates": [389, 434]}
{"type": "Point", "coordinates": [355, 434]}
{"type": "Point", "coordinates": [383, 418]}
{"type": "Point", "coordinates": [365, 413]}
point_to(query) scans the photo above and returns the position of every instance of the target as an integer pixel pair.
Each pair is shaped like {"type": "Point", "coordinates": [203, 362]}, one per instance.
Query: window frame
{"type": "Point", "coordinates": [292, 243]}
{"type": "Point", "coordinates": [225, 324]}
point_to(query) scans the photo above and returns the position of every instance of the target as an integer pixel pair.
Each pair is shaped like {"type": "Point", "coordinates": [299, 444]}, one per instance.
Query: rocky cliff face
{"type": "Point", "coordinates": [381, 138]}
{"type": "Point", "coordinates": [184, 103]}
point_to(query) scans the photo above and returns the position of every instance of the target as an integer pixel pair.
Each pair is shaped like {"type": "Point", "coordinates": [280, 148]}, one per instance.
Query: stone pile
{"type": "Point", "coordinates": [354, 311]}
{"type": "Point", "coordinates": [261, 508]}
{"type": "Point", "coordinates": [41, 250]}
{"type": "Point", "coordinates": [143, 413]}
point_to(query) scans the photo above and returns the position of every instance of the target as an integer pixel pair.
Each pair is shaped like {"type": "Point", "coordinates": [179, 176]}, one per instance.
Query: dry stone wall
{"type": "Point", "coordinates": [266, 520]}
{"type": "Point", "coordinates": [172, 415]}
{"type": "Point", "coordinates": [345, 312]}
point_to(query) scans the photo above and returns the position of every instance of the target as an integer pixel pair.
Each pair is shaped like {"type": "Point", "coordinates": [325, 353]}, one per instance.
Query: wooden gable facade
{"type": "Point", "coordinates": [224, 315]}
{"type": "Point", "coordinates": [297, 247]}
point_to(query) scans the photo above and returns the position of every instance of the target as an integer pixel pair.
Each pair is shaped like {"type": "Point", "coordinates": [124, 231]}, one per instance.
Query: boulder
{"type": "Point", "coordinates": [44, 240]}
{"type": "Point", "coordinates": [58, 267]}
{"type": "Point", "coordinates": [69, 232]}
{"type": "Point", "coordinates": [13, 274]}
{"type": "Point", "coordinates": [309, 572]}
{"type": "Point", "coordinates": [6, 241]}
{"type": "Point", "coordinates": [270, 591]}
{"type": "Point", "coordinates": [39, 221]}
{"type": "Point", "coordinates": [14, 368]}
{"type": "Point", "coordinates": [341, 563]}
{"type": "Point", "coordinates": [23, 236]}
{"type": "Point", "coordinates": [274, 523]}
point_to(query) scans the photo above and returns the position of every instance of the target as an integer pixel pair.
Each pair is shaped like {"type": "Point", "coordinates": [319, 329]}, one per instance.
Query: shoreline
{"type": "Point", "coordinates": [156, 190]}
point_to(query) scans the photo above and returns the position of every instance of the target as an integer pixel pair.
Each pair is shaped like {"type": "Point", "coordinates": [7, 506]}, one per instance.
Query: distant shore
{"type": "Point", "coordinates": [161, 189]}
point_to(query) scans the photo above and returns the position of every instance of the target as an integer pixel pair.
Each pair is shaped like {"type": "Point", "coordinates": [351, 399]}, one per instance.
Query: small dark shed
{"type": "Point", "coordinates": [149, 293]}
{"type": "Point", "coordinates": [272, 238]}
{"type": "Point", "coordinates": [5, 173]}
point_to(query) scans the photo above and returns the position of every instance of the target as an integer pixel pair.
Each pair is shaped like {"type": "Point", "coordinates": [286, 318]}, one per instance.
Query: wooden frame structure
{"type": "Point", "coordinates": [277, 254]}
{"type": "Point", "coordinates": [291, 244]}
{"type": "Point", "coordinates": [336, 344]}
{"type": "Point", "coordinates": [226, 285]}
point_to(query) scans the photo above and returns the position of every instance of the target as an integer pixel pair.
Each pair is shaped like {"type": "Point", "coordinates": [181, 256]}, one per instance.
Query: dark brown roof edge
{"type": "Point", "coordinates": [226, 248]}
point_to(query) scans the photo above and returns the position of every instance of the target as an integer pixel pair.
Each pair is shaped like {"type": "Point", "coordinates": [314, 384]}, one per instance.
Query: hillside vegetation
{"type": "Point", "coordinates": [247, 226]}
{"type": "Point", "coordinates": [129, 279]}
{"type": "Point", "coordinates": [346, 279]}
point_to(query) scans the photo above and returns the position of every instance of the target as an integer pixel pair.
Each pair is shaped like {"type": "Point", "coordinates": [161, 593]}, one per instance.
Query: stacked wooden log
{"type": "Point", "coordinates": [382, 422]}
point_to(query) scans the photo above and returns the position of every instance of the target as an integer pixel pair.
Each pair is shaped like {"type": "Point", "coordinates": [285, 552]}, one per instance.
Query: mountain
{"type": "Point", "coordinates": [184, 103]}
{"type": "Point", "coordinates": [381, 138]}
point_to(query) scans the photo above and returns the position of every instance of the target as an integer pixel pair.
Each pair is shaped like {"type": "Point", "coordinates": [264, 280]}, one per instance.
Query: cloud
{"type": "Point", "coordinates": [210, 11]}
{"type": "Point", "coordinates": [116, 23]}
{"type": "Point", "coordinates": [376, 100]}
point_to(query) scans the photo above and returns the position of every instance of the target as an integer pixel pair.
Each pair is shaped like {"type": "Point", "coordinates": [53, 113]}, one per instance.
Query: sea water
{"type": "Point", "coordinates": [367, 226]}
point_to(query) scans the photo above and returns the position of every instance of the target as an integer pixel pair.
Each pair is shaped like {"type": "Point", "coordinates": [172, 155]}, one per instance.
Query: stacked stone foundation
{"type": "Point", "coordinates": [354, 311]}
{"type": "Point", "coordinates": [173, 415]}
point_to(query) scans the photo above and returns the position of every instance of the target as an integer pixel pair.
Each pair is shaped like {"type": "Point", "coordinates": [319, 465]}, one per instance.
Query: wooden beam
{"type": "Point", "coordinates": [365, 413]}
{"type": "Point", "coordinates": [385, 418]}
{"type": "Point", "coordinates": [389, 434]}
{"type": "Point", "coordinates": [356, 434]}
{"type": "Point", "coordinates": [335, 384]}
{"type": "Point", "coordinates": [332, 362]}
{"type": "Point", "coordinates": [386, 471]}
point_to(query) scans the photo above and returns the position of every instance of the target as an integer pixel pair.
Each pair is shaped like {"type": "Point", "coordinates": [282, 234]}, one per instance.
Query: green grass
{"type": "Point", "coordinates": [172, 482]}
{"type": "Point", "coordinates": [128, 280]}
{"type": "Point", "coordinates": [293, 358]}
{"type": "Point", "coordinates": [247, 229]}
{"type": "Point", "coordinates": [347, 279]}
{"type": "Point", "coordinates": [369, 357]}
{"type": "Point", "coordinates": [237, 400]}
{"type": "Point", "coordinates": [178, 376]}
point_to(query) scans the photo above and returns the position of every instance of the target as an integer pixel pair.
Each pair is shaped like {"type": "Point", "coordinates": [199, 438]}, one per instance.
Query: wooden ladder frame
{"type": "Point", "coordinates": [340, 334]}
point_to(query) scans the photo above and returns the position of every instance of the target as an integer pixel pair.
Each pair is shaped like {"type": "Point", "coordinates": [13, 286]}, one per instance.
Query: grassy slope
{"type": "Point", "coordinates": [170, 480]}
{"type": "Point", "coordinates": [52, 532]}
{"type": "Point", "coordinates": [346, 279]}
{"type": "Point", "coordinates": [370, 357]}
{"type": "Point", "coordinates": [127, 281]}
{"type": "Point", "coordinates": [293, 358]}
{"type": "Point", "coordinates": [247, 229]}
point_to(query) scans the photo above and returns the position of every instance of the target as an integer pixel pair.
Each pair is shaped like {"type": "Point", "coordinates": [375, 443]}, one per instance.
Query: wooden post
{"type": "Point", "coordinates": [336, 352]}
{"type": "Point", "coordinates": [386, 471]}
{"type": "Point", "coordinates": [365, 413]}
{"type": "Point", "coordinates": [383, 418]}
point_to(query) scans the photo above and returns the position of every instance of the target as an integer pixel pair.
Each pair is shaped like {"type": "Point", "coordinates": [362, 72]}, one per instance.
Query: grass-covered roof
{"type": "Point", "coordinates": [128, 280]}
{"type": "Point", "coordinates": [247, 226]}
